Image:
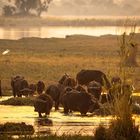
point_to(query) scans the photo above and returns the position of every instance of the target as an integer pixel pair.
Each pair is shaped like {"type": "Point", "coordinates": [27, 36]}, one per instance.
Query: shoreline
{"type": "Point", "coordinates": [61, 21]}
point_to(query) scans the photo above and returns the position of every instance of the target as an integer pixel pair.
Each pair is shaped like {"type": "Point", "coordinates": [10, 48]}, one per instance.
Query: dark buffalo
{"type": "Point", "coordinates": [33, 88]}
{"type": "Point", "coordinates": [63, 78]}
{"type": "Point", "coordinates": [95, 88]}
{"type": "Point", "coordinates": [43, 104]}
{"type": "Point", "coordinates": [74, 100]}
{"type": "Point", "coordinates": [70, 82]}
{"type": "Point", "coordinates": [80, 88]}
{"type": "Point", "coordinates": [18, 83]}
{"type": "Point", "coordinates": [26, 92]}
{"type": "Point", "coordinates": [56, 90]}
{"type": "Point", "coordinates": [40, 87]}
{"type": "Point", "coordinates": [85, 76]}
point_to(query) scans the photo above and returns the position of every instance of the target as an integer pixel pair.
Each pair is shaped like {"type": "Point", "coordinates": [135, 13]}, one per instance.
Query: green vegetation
{"type": "Point", "coordinates": [77, 137]}
{"type": "Point", "coordinates": [123, 126]}
{"type": "Point", "coordinates": [23, 8]}
{"type": "Point", "coordinates": [16, 129]}
{"type": "Point", "coordinates": [48, 59]}
{"type": "Point", "coordinates": [19, 101]}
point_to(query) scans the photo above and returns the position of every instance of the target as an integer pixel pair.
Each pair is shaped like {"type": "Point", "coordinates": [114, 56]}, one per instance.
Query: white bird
{"type": "Point", "coordinates": [5, 52]}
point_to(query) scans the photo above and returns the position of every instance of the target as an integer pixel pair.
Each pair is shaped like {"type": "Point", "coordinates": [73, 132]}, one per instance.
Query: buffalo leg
{"type": "Point", "coordinates": [57, 105]}
{"type": "Point", "coordinates": [39, 114]}
{"type": "Point", "coordinates": [66, 110]}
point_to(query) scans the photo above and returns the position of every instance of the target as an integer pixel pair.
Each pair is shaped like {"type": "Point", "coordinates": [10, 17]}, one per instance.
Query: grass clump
{"type": "Point", "coordinates": [101, 133]}
{"type": "Point", "coordinates": [16, 128]}
{"type": "Point", "coordinates": [19, 101]}
{"type": "Point", "coordinates": [122, 126]}
{"type": "Point", "coordinates": [52, 137]}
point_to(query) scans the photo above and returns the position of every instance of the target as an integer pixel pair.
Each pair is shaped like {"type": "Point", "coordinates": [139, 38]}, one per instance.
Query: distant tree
{"type": "Point", "coordinates": [8, 10]}
{"type": "Point", "coordinates": [25, 6]}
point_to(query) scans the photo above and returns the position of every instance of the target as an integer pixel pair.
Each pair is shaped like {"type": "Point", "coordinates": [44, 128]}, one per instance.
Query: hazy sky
{"type": "Point", "coordinates": [95, 7]}
{"type": "Point", "coordinates": [92, 7]}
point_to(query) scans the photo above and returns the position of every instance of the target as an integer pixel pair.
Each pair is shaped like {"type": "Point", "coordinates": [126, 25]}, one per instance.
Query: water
{"type": "Point", "coordinates": [61, 124]}
{"type": "Point", "coordinates": [60, 31]}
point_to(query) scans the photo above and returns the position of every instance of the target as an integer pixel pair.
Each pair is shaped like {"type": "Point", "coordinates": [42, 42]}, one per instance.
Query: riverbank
{"type": "Point", "coordinates": [63, 21]}
{"type": "Point", "coordinates": [48, 59]}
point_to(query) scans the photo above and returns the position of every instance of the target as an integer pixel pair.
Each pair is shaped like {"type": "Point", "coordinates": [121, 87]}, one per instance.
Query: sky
{"type": "Point", "coordinates": [95, 7]}
{"type": "Point", "coordinates": [92, 7]}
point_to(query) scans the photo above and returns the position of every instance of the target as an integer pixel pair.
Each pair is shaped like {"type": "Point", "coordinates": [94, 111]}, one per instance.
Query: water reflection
{"type": "Point", "coordinates": [43, 122]}
{"type": "Point", "coordinates": [60, 31]}
{"type": "Point", "coordinates": [57, 123]}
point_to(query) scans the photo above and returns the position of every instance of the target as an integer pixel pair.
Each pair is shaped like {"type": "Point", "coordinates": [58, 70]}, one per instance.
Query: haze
{"type": "Point", "coordinates": [95, 7]}
{"type": "Point", "coordinates": [90, 7]}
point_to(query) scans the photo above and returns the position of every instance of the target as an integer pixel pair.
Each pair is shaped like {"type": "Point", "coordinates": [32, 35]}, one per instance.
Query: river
{"type": "Point", "coordinates": [61, 124]}
{"type": "Point", "coordinates": [61, 31]}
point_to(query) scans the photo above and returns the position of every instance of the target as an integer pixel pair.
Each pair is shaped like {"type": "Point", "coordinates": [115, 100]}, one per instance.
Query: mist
{"type": "Point", "coordinates": [95, 7]}
{"type": "Point", "coordinates": [89, 7]}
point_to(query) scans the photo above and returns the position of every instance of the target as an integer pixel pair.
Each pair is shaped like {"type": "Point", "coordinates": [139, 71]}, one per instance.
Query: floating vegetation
{"type": "Point", "coordinates": [16, 128]}
{"type": "Point", "coordinates": [18, 101]}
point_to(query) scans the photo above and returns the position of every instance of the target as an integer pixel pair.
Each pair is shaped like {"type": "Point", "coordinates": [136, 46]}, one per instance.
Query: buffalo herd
{"type": "Point", "coordinates": [83, 94]}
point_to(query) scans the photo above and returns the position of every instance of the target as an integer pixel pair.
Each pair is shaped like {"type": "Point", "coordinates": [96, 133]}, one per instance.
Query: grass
{"type": "Point", "coordinates": [76, 137]}
{"type": "Point", "coordinates": [18, 101]}
{"type": "Point", "coordinates": [16, 129]}
{"type": "Point", "coordinates": [48, 59]}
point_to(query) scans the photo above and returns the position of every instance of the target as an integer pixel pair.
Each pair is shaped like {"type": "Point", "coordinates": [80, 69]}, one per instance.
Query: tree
{"type": "Point", "coordinates": [25, 6]}
{"type": "Point", "coordinates": [8, 10]}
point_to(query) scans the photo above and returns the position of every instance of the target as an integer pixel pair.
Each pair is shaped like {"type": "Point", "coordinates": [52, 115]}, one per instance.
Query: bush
{"type": "Point", "coordinates": [28, 101]}
{"type": "Point", "coordinates": [16, 128]}
{"type": "Point", "coordinates": [101, 133]}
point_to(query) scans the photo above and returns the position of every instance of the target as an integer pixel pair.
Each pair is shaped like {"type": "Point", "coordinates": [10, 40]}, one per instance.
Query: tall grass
{"type": "Point", "coordinates": [122, 126]}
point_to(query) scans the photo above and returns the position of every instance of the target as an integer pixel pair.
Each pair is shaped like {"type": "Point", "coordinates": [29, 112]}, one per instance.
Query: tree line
{"type": "Point", "coordinates": [26, 7]}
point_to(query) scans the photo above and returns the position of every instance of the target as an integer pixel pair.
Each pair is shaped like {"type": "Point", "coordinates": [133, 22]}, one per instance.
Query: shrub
{"type": "Point", "coordinates": [18, 101]}
{"type": "Point", "coordinates": [16, 128]}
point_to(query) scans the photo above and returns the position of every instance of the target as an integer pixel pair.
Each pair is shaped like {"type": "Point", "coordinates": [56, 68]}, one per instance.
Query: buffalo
{"type": "Point", "coordinates": [73, 100]}
{"type": "Point", "coordinates": [33, 88]}
{"type": "Point", "coordinates": [95, 88]}
{"type": "Point", "coordinates": [85, 76]}
{"type": "Point", "coordinates": [80, 88]}
{"type": "Point", "coordinates": [56, 90]}
{"type": "Point", "coordinates": [43, 104]}
{"type": "Point", "coordinates": [26, 92]}
{"type": "Point", "coordinates": [18, 83]}
{"type": "Point", "coordinates": [40, 87]}
{"type": "Point", "coordinates": [63, 78]}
